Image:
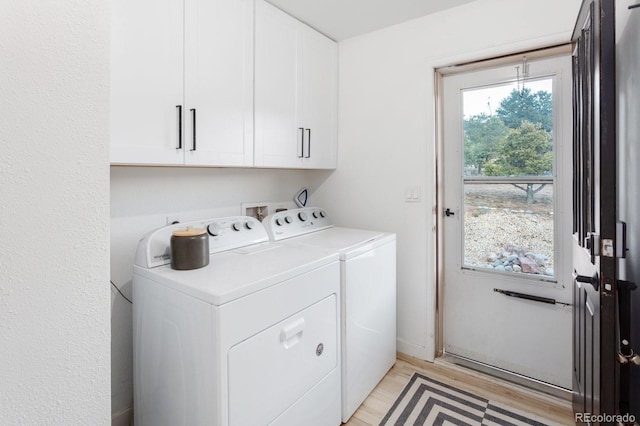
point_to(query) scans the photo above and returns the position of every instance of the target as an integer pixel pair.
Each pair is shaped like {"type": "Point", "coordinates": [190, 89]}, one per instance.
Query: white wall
{"type": "Point", "coordinates": [141, 200]}
{"type": "Point", "coordinates": [54, 253]}
{"type": "Point", "coordinates": [628, 88]}
{"type": "Point", "coordinates": [386, 130]}
{"type": "Point", "coordinates": [385, 144]}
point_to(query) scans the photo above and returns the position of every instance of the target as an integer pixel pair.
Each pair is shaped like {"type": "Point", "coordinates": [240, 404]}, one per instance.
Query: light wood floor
{"type": "Point", "coordinates": [380, 400]}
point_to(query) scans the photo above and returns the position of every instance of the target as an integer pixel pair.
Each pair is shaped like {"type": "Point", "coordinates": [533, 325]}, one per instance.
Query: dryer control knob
{"type": "Point", "coordinates": [302, 216]}
{"type": "Point", "coordinates": [249, 225]}
{"type": "Point", "coordinates": [316, 214]}
{"type": "Point", "coordinates": [288, 219]}
{"type": "Point", "coordinates": [279, 221]}
{"type": "Point", "coordinates": [322, 214]}
{"type": "Point", "coordinates": [236, 226]}
{"type": "Point", "coordinates": [214, 229]}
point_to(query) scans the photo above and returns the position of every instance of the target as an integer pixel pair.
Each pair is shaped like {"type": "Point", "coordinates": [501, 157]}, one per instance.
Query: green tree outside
{"type": "Point", "coordinates": [484, 138]}
{"type": "Point", "coordinates": [523, 105]}
{"type": "Point", "coordinates": [526, 152]}
{"type": "Point", "coordinates": [516, 141]}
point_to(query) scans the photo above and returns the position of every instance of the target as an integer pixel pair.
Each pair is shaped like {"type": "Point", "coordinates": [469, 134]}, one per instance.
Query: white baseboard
{"type": "Point", "coordinates": [413, 350]}
{"type": "Point", "coordinates": [122, 418]}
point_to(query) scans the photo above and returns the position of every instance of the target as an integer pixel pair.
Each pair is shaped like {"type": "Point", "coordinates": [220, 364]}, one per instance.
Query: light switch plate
{"type": "Point", "coordinates": [413, 194]}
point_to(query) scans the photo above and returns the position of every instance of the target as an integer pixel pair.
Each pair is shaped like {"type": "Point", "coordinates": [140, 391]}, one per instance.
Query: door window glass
{"type": "Point", "coordinates": [508, 178]}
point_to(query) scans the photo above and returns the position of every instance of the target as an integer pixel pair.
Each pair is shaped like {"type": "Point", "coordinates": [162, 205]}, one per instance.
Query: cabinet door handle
{"type": "Point", "coordinates": [308, 143]}
{"type": "Point", "coordinates": [301, 150]}
{"type": "Point", "coordinates": [193, 112]}
{"type": "Point", "coordinates": [179, 126]}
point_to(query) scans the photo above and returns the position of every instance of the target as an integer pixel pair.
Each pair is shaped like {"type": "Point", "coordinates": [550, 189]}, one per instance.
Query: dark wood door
{"type": "Point", "coordinates": [596, 373]}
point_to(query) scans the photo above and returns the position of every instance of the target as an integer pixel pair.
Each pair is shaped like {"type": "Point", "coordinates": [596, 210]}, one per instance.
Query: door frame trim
{"type": "Point", "coordinates": [439, 74]}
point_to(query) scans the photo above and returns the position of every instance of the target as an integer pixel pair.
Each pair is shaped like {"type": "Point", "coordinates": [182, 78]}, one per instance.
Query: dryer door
{"type": "Point", "coordinates": [273, 369]}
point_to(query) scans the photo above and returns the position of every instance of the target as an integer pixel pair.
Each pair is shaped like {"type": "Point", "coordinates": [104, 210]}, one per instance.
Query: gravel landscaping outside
{"type": "Point", "coordinates": [502, 232]}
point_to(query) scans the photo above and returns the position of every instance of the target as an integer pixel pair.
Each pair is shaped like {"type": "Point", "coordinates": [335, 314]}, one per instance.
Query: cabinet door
{"type": "Point", "coordinates": [317, 91]}
{"type": "Point", "coordinates": [146, 81]}
{"type": "Point", "coordinates": [219, 82]}
{"type": "Point", "coordinates": [295, 93]}
{"type": "Point", "coordinates": [277, 138]}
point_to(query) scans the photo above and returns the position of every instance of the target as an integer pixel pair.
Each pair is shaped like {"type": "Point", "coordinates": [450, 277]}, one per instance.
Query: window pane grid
{"type": "Point", "coordinates": [483, 180]}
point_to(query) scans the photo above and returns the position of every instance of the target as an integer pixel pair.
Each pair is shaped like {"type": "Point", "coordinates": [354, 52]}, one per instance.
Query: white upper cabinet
{"type": "Point", "coordinates": [219, 82]}
{"type": "Point", "coordinates": [182, 82]}
{"type": "Point", "coordinates": [146, 81]}
{"type": "Point", "coordinates": [318, 97]}
{"type": "Point", "coordinates": [295, 93]}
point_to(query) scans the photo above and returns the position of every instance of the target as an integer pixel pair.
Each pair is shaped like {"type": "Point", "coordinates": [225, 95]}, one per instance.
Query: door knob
{"type": "Point", "coordinates": [448, 212]}
{"type": "Point", "coordinates": [593, 280]}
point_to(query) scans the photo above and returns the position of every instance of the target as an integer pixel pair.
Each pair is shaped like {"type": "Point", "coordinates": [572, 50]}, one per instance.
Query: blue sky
{"type": "Point", "coordinates": [487, 99]}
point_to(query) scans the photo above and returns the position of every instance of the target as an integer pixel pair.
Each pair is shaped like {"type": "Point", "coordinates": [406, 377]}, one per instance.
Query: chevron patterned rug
{"type": "Point", "coordinates": [425, 401]}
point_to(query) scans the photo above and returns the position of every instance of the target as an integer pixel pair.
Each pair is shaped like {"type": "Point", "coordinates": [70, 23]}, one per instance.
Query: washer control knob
{"type": "Point", "coordinates": [236, 226]}
{"type": "Point", "coordinates": [322, 213]}
{"type": "Point", "coordinates": [214, 229]}
{"type": "Point", "coordinates": [249, 225]}
{"type": "Point", "coordinates": [279, 221]}
{"type": "Point", "coordinates": [316, 214]}
{"type": "Point", "coordinates": [288, 219]}
{"type": "Point", "coordinates": [302, 216]}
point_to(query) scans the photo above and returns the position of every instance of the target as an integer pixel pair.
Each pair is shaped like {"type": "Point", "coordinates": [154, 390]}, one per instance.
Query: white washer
{"type": "Point", "coordinates": [250, 339]}
{"type": "Point", "coordinates": [368, 290]}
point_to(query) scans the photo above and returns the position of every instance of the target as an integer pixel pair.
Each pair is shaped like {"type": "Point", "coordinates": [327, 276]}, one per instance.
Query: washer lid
{"type": "Point", "coordinates": [237, 273]}
{"type": "Point", "coordinates": [348, 242]}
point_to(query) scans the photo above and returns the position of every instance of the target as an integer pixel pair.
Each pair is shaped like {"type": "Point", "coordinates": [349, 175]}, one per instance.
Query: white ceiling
{"type": "Point", "coordinates": [341, 19]}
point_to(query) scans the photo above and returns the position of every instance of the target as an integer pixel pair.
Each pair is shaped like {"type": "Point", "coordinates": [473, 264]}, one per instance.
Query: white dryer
{"type": "Point", "coordinates": [250, 339]}
{"type": "Point", "coordinates": [368, 291]}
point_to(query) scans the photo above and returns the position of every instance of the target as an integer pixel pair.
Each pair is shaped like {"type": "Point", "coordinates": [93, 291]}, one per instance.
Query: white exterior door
{"type": "Point", "coordinates": [507, 218]}
{"type": "Point", "coordinates": [146, 81]}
